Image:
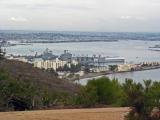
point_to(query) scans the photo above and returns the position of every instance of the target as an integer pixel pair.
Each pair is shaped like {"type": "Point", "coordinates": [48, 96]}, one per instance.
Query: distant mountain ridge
{"type": "Point", "coordinates": [76, 36]}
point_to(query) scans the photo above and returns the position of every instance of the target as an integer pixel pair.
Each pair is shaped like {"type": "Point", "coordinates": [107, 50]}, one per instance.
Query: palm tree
{"type": "Point", "coordinates": [147, 84]}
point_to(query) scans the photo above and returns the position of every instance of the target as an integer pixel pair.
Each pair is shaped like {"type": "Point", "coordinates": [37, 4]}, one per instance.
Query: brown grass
{"type": "Point", "coordinates": [68, 114]}
{"type": "Point", "coordinates": [39, 78]}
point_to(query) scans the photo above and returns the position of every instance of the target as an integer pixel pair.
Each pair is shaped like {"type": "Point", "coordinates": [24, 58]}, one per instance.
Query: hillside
{"type": "Point", "coordinates": [23, 87]}
{"type": "Point", "coordinates": [26, 72]}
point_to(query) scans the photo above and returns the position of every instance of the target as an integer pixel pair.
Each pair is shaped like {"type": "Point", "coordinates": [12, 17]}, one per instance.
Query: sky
{"type": "Point", "coordinates": [81, 15]}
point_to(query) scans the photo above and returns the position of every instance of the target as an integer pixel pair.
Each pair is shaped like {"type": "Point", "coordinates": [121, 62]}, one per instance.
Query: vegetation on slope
{"type": "Point", "coordinates": [24, 87]}
{"type": "Point", "coordinates": [143, 98]}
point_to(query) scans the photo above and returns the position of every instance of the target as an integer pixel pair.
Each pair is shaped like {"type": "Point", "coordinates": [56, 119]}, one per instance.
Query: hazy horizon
{"type": "Point", "coordinates": [80, 15]}
{"type": "Point", "coordinates": [76, 31]}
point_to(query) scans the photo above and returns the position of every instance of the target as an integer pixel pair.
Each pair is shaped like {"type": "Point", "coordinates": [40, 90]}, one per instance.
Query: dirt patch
{"type": "Point", "coordinates": [68, 114]}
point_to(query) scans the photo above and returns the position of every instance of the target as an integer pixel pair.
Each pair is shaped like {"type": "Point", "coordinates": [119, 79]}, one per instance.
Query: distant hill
{"type": "Point", "coordinates": [75, 36]}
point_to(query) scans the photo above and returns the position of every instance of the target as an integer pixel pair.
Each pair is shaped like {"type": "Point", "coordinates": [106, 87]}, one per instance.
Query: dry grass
{"type": "Point", "coordinates": [68, 114]}
{"type": "Point", "coordinates": [39, 78]}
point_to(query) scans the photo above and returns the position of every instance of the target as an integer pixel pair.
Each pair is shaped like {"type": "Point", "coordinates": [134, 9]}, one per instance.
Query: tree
{"type": "Point", "coordinates": [145, 100]}
{"type": "Point", "coordinates": [113, 67]}
{"type": "Point", "coordinates": [2, 53]}
{"type": "Point", "coordinates": [15, 94]}
{"type": "Point", "coordinates": [108, 91]}
{"type": "Point", "coordinates": [87, 96]}
{"type": "Point", "coordinates": [101, 91]}
{"type": "Point", "coordinates": [148, 84]}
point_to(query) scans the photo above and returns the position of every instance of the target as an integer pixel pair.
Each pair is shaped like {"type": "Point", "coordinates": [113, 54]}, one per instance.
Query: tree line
{"type": "Point", "coordinates": [143, 98]}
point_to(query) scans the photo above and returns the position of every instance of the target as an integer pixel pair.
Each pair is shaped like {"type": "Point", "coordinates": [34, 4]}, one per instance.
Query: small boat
{"type": "Point", "coordinates": [154, 49]}
{"type": "Point", "coordinates": [156, 46]}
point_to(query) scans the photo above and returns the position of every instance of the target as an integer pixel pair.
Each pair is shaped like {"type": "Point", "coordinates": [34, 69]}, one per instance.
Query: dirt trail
{"type": "Point", "coordinates": [68, 114]}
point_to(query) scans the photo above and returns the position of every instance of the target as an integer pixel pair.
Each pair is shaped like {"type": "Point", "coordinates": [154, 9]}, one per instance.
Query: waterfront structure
{"type": "Point", "coordinates": [47, 60]}
{"type": "Point", "coordinates": [128, 67]}
{"type": "Point", "coordinates": [99, 69]}
{"type": "Point", "coordinates": [46, 55]}
{"type": "Point", "coordinates": [49, 64]}
{"type": "Point", "coordinates": [17, 58]}
{"type": "Point", "coordinates": [155, 48]}
{"type": "Point", "coordinates": [100, 61]}
{"type": "Point", "coordinates": [66, 56]}
{"type": "Point", "coordinates": [73, 62]}
{"type": "Point", "coordinates": [4, 43]}
{"type": "Point", "coordinates": [125, 67]}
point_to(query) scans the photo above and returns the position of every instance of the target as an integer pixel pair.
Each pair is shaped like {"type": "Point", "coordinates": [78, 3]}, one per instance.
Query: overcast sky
{"type": "Point", "coordinates": [81, 15]}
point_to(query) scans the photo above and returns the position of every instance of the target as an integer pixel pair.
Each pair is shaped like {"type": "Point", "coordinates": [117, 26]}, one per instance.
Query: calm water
{"type": "Point", "coordinates": [138, 76]}
{"type": "Point", "coordinates": [133, 51]}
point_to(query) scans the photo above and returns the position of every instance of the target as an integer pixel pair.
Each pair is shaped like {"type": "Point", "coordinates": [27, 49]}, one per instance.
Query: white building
{"type": "Point", "coordinates": [99, 69]}
{"type": "Point", "coordinates": [49, 64]}
{"type": "Point", "coordinates": [126, 67]}
{"type": "Point", "coordinates": [21, 59]}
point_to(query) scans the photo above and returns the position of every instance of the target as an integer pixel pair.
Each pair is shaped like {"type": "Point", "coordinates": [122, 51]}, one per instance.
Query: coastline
{"type": "Point", "coordinates": [67, 41]}
{"type": "Point", "coordinates": [101, 74]}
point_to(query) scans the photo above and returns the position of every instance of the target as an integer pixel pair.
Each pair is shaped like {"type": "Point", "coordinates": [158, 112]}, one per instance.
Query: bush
{"type": "Point", "coordinates": [144, 99]}
{"type": "Point", "coordinates": [101, 91]}
{"type": "Point", "coordinates": [87, 96]}
{"type": "Point", "coordinates": [15, 94]}
{"type": "Point", "coordinates": [22, 95]}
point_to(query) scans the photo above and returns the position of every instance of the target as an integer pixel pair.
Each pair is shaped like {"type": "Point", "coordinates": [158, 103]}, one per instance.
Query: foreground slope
{"type": "Point", "coordinates": [40, 78]}
{"type": "Point", "coordinates": [68, 114]}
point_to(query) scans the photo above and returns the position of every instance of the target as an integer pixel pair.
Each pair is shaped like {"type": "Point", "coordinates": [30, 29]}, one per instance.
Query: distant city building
{"type": "Point", "coordinates": [4, 43]}
{"type": "Point", "coordinates": [66, 56]}
{"type": "Point", "coordinates": [47, 60]}
{"type": "Point", "coordinates": [100, 61]}
{"type": "Point", "coordinates": [128, 67]}
{"type": "Point", "coordinates": [46, 55]}
{"type": "Point", "coordinates": [21, 59]}
{"type": "Point", "coordinates": [99, 69]}
{"type": "Point", "coordinates": [49, 64]}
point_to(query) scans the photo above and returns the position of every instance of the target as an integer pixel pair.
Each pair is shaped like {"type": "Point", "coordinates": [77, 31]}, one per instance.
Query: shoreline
{"type": "Point", "coordinates": [101, 74]}
{"type": "Point", "coordinates": [69, 41]}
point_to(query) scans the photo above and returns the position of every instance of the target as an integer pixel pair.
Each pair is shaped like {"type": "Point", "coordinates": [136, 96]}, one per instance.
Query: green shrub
{"type": "Point", "coordinates": [101, 91]}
